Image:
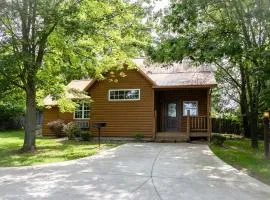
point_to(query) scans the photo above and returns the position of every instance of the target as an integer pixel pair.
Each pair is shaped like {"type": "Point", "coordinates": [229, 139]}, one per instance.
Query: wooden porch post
{"type": "Point", "coordinates": [188, 124]}
{"type": "Point", "coordinates": [155, 125]}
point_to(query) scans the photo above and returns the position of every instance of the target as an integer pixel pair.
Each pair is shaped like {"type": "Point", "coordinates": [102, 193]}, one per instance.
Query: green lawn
{"type": "Point", "coordinates": [238, 153]}
{"type": "Point", "coordinates": [49, 150]}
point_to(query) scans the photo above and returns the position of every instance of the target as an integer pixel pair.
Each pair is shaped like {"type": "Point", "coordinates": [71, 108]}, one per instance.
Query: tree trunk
{"type": "Point", "coordinates": [254, 129]}
{"type": "Point", "coordinates": [245, 116]}
{"type": "Point", "coordinates": [244, 104]}
{"type": "Point", "coordinates": [30, 119]}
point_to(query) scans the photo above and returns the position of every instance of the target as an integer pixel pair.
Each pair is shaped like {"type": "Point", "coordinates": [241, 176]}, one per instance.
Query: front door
{"type": "Point", "coordinates": [171, 116]}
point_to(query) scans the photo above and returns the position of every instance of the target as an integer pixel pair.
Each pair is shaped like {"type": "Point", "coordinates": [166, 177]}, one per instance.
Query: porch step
{"type": "Point", "coordinates": [172, 139]}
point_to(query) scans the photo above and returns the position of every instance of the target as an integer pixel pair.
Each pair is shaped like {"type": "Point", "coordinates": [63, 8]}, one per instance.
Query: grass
{"type": "Point", "coordinates": [238, 153]}
{"type": "Point", "coordinates": [48, 150]}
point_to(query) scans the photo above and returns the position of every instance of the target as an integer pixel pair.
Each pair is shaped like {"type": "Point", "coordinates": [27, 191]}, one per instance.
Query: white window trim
{"type": "Point", "coordinates": [109, 99]}
{"type": "Point", "coordinates": [197, 111]}
{"type": "Point", "coordinates": [82, 113]}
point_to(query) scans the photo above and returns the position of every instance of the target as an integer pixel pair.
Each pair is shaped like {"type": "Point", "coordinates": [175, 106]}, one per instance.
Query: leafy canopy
{"type": "Point", "coordinates": [80, 39]}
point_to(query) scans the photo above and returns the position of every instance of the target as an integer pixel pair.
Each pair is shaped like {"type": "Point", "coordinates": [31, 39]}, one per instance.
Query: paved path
{"type": "Point", "coordinates": [156, 171]}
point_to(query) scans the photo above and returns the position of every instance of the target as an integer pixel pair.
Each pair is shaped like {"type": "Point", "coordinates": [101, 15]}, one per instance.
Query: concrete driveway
{"type": "Point", "coordinates": [135, 171]}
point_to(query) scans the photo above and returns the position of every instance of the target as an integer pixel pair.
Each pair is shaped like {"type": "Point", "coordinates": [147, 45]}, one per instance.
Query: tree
{"type": "Point", "coordinates": [218, 31]}
{"type": "Point", "coordinates": [44, 44]}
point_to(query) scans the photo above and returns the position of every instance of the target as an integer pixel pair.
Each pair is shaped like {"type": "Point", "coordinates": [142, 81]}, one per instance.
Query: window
{"type": "Point", "coordinates": [82, 111]}
{"type": "Point", "coordinates": [124, 95]}
{"type": "Point", "coordinates": [191, 107]}
{"type": "Point", "coordinates": [172, 110]}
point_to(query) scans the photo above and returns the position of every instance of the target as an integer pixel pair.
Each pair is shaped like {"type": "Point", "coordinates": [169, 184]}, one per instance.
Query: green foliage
{"type": "Point", "coordinates": [86, 136]}
{"type": "Point", "coordinates": [71, 130]}
{"type": "Point", "coordinates": [217, 139]}
{"type": "Point", "coordinates": [57, 127]}
{"type": "Point", "coordinates": [265, 98]}
{"type": "Point", "coordinates": [11, 109]}
{"type": "Point", "coordinates": [138, 136]}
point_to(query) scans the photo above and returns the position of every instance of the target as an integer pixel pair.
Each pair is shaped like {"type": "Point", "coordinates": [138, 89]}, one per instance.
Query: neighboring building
{"type": "Point", "coordinates": [160, 102]}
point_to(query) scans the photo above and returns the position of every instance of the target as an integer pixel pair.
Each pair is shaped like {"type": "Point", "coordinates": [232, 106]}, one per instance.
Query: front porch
{"type": "Point", "coordinates": [182, 114]}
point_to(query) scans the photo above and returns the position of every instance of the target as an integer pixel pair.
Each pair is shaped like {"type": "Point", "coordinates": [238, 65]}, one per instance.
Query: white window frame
{"type": "Point", "coordinates": [82, 112]}
{"type": "Point", "coordinates": [197, 111]}
{"type": "Point", "coordinates": [109, 96]}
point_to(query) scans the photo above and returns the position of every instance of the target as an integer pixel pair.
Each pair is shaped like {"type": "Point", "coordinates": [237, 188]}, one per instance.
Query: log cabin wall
{"type": "Point", "coordinates": [124, 118]}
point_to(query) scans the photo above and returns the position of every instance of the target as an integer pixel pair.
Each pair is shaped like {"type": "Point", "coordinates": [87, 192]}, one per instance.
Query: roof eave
{"type": "Point", "coordinates": [89, 85]}
{"type": "Point", "coordinates": [147, 77]}
{"type": "Point", "coordinates": [184, 86]}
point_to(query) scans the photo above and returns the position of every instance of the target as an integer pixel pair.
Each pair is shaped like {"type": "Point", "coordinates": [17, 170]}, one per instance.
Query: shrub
{"type": "Point", "coordinates": [11, 116]}
{"type": "Point", "coordinates": [218, 139]}
{"type": "Point", "coordinates": [138, 136]}
{"type": "Point", "coordinates": [86, 136]}
{"type": "Point", "coordinates": [56, 127]}
{"type": "Point", "coordinates": [71, 130]}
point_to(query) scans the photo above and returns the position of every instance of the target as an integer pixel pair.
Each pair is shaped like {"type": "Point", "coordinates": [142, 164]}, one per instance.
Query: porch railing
{"type": "Point", "coordinates": [197, 124]}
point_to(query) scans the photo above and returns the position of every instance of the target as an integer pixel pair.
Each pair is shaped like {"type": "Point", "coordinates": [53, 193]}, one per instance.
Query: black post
{"type": "Point", "coordinates": [266, 134]}
{"type": "Point", "coordinates": [99, 125]}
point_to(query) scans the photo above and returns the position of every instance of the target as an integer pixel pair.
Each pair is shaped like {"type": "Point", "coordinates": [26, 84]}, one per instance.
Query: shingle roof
{"type": "Point", "coordinates": [178, 74]}
{"type": "Point", "coordinates": [79, 85]}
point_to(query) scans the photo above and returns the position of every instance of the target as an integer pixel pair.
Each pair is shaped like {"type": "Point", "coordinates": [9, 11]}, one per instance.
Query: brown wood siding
{"type": "Point", "coordinates": [199, 95]}
{"type": "Point", "coordinates": [124, 118]}
{"type": "Point", "coordinates": [52, 114]}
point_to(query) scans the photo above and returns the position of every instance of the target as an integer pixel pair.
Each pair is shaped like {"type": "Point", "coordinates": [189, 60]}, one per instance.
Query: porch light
{"type": "Point", "coordinates": [266, 115]}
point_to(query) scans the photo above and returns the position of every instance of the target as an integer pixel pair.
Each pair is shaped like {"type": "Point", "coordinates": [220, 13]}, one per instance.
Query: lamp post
{"type": "Point", "coordinates": [266, 134]}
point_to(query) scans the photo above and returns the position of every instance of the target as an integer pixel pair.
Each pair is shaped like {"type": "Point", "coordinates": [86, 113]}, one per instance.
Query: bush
{"type": "Point", "coordinates": [138, 136]}
{"type": "Point", "coordinates": [11, 116]}
{"type": "Point", "coordinates": [86, 136]}
{"type": "Point", "coordinates": [56, 127]}
{"type": "Point", "coordinates": [71, 130]}
{"type": "Point", "coordinates": [218, 139]}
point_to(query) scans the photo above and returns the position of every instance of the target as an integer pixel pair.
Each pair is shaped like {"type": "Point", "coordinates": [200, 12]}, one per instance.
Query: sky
{"type": "Point", "coordinates": [160, 4]}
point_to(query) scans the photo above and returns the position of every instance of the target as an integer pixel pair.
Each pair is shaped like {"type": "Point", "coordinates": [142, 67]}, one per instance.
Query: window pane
{"type": "Point", "coordinates": [121, 95]}
{"type": "Point", "coordinates": [128, 94]}
{"type": "Point", "coordinates": [78, 114]}
{"type": "Point", "coordinates": [191, 107]}
{"type": "Point", "coordinates": [86, 114]}
{"type": "Point", "coordinates": [172, 109]}
{"type": "Point", "coordinates": [86, 106]}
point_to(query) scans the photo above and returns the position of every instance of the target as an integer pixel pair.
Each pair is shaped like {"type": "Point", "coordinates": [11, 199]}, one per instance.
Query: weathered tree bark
{"type": "Point", "coordinates": [244, 104]}
{"type": "Point", "coordinates": [30, 117]}
{"type": "Point", "coordinates": [253, 89]}
{"type": "Point", "coordinates": [254, 128]}
{"type": "Point", "coordinates": [245, 117]}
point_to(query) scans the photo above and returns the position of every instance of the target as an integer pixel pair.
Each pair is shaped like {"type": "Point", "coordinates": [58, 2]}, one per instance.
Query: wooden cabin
{"type": "Point", "coordinates": [161, 102]}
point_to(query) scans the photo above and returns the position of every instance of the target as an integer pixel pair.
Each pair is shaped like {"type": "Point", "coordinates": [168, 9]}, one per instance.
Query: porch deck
{"type": "Point", "coordinates": [197, 126]}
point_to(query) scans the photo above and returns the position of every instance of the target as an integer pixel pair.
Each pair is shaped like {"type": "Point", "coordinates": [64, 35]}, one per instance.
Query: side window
{"type": "Point", "coordinates": [124, 95]}
{"type": "Point", "coordinates": [82, 111]}
{"type": "Point", "coordinates": [191, 107]}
